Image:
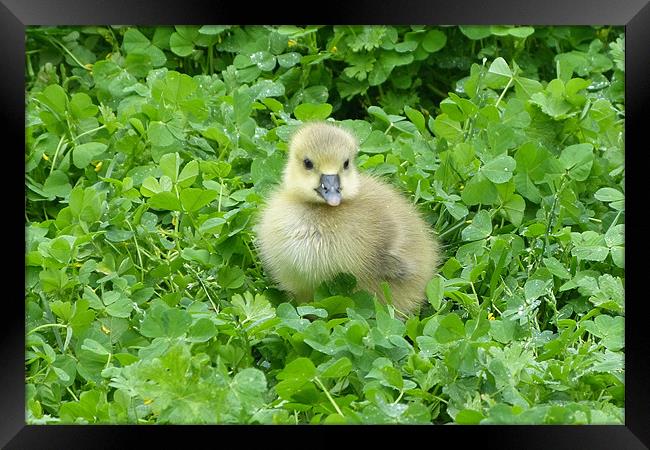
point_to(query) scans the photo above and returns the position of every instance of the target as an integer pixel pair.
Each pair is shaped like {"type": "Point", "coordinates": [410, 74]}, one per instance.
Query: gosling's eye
{"type": "Point", "coordinates": [308, 164]}
{"type": "Point", "coordinates": [346, 164]}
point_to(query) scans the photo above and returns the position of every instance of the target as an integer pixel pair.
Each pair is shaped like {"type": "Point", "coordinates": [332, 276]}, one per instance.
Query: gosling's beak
{"type": "Point", "coordinates": [330, 189]}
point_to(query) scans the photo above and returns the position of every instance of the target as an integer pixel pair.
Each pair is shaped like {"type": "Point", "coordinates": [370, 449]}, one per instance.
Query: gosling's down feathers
{"type": "Point", "coordinates": [327, 218]}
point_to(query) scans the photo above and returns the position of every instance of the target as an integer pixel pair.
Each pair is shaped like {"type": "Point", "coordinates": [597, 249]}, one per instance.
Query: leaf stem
{"type": "Point", "coordinates": [203, 286]}
{"type": "Point", "coordinates": [57, 43]}
{"type": "Point", "coordinates": [137, 249]}
{"type": "Point", "coordinates": [56, 153]}
{"type": "Point", "coordinates": [504, 91]}
{"type": "Point", "coordinates": [89, 131]}
{"type": "Point", "coordinates": [47, 325]}
{"type": "Point", "coordinates": [611, 225]}
{"type": "Point", "coordinates": [331, 399]}
{"type": "Point", "coordinates": [72, 393]}
{"type": "Point", "coordinates": [459, 224]}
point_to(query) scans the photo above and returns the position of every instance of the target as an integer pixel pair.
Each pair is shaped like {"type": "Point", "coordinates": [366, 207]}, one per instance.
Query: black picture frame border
{"type": "Point", "coordinates": [15, 15]}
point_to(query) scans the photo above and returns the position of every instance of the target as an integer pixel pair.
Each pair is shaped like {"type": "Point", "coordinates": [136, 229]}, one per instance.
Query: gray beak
{"type": "Point", "coordinates": [330, 189]}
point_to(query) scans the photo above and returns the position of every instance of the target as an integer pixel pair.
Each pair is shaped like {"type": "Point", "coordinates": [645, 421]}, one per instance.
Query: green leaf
{"type": "Point", "coordinates": [446, 128]}
{"type": "Point", "coordinates": [526, 87]}
{"type": "Point", "coordinates": [202, 330]}
{"type": "Point", "coordinates": [552, 100]}
{"type": "Point", "coordinates": [608, 194]}
{"type": "Point", "coordinates": [57, 184]}
{"type": "Point", "coordinates": [212, 169]}
{"type": "Point", "coordinates": [174, 88]}
{"type": "Point", "coordinates": [136, 43]}
{"type": "Point", "coordinates": [435, 291]}
{"type": "Point", "coordinates": [609, 294]}
{"type": "Point", "coordinates": [193, 199]}
{"type": "Point", "coordinates": [83, 154]}
{"type": "Point", "coordinates": [170, 164]}
{"type": "Point", "coordinates": [54, 98]}
{"type": "Point", "coordinates": [615, 235]}
{"type": "Point", "coordinates": [434, 40]}
{"type": "Point", "coordinates": [189, 173]}
{"type": "Point", "coordinates": [61, 248]}
{"type": "Point", "coordinates": [578, 159]}
{"type": "Point", "coordinates": [294, 376]}
{"type": "Point", "coordinates": [526, 187]}
{"type": "Point", "coordinates": [499, 169]}
{"type": "Point", "coordinates": [289, 59]}
{"type": "Point", "coordinates": [264, 89]}
{"type": "Point", "coordinates": [479, 190]}
{"type": "Point", "coordinates": [514, 209]}
{"type": "Point", "coordinates": [199, 255]}
{"type": "Point", "coordinates": [500, 67]}
{"type": "Point", "coordinates": [610, 329]}
{"type": "Point", "coordinates": [310, 111]}
{"type": "Point", "coordinates": [95, 347]}
{"type": "Point", "coordinates": [589, 246]}
{"type": "Point", "coordinates": [243, 104]}
{"type": "Point", "coordinates": [521, 32]}
{"type": "Point", "coordinates": [468, 417]}
{"type": "Point", "coordinates": [335, 368]}
{"type": "Point", "coordinates": [81, 106]}
{"type": "Point", "coordinates": [160, 134]}
{"type": "Point", "coordinates": [181, 45]}
{"type": "Point", "coordinates": [416, 118]}
{"type": "Point", "coordinates": [162, 321]}
{"type": "Point", "coordinates": [475, 32]}
{"type": "Point", "coordinates": [480, 228]}
{"type": "Point", "coordinates": [556, 268]}
{"type": "Point", "coordinates": [213, 29]}
{"type": "Point", "coordinates": [502, 330]}
{"type": "Point", "coordinates": [533, 289]}
{"type": "Point", "coordinates": [165, 200]}
{"type": "Point", "coordinates": [267, 171]}
{"type": "Point", "coordinates": [499, 73]}
{"type": "Point", "coordinates": [515, 114]}
{"type": "Point", "coordinates": [231, 277]}
{"type": "Point", "coordinates": [150, 186]}
{"type": "Point", "coordinates": [249, 386]}
{"type": "Point", "coordinates": [450, 329]}
{"type": "Point", "coordinates": [336, 304]}
{"type": "Point", "coordinates": [264, 60]}
{"type": "Point", "coordinates": [122, 307]}
{"type": "Point", "coordinates": [212, 225]}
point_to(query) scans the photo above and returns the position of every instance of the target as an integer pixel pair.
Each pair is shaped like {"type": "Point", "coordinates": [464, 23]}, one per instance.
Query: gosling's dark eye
{"type": "Point", "coordinates": [308, 164]}
{"type": "Point", "coordinates": [346, 164]}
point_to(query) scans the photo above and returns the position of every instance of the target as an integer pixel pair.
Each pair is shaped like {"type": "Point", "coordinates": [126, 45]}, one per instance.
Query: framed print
{"type": "Point", "coordinates": [367, 219]}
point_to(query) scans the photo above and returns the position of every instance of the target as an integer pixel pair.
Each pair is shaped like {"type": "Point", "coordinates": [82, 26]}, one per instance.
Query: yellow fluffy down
{"type": "Point", "coordinates": [375, 233]}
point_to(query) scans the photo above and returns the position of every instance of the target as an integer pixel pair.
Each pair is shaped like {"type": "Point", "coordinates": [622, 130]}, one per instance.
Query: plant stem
{"type": "Point", "coordinates": [57, 43]}
{"type": "Point", "coordinates": [89, 131]}
{"type": "Point", "coordinates": [72, 393]}
{"type": "Point", "coordinates": [614, 221]}
{"type": "Point", "coordinates": [137, 249]}
{"type": "Point", "coordinates": [331, 399]}
{"type": "Point", "coordinates": [47, 325]}
{"type": "Point", "coordinates": [459, 224]}
{"type": "Point", "coordinates": [56, 153]}
{"type": "Point", "coordinates": [504, 91]}
{"type": "Point", "coordinates": [436, 90]}
{"type": "Point", "coordinates": [205, 289]}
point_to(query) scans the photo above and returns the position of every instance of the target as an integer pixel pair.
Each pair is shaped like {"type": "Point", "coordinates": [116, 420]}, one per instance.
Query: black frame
{"type": "Point", "coordinates": [15, 15]}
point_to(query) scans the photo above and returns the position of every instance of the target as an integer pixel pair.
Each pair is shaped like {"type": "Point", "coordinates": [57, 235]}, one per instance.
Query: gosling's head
{"type": "Point", "coordinates": [320, 168]}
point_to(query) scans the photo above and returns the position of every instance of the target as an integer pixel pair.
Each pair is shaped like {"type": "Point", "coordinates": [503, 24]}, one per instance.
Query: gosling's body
{"type": "Point", "coordinates": [374, 234]}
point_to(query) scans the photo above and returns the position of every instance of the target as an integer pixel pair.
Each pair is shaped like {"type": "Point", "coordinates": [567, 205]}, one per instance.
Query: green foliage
{"type": "Point", "coordinates": [150, 150]}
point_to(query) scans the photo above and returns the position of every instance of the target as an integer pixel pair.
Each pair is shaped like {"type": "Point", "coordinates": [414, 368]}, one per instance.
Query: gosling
{"type": "Point", "coordinates": [327, 218]}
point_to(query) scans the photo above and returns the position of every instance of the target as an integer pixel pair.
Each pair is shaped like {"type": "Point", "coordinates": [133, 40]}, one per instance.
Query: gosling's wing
{"type": "Point", "coordinates": [384, 211]}
{"type": "Point", "coordinates": [395, 267]}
